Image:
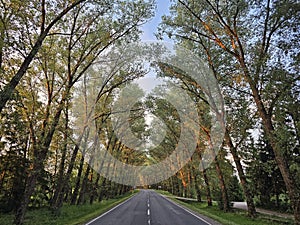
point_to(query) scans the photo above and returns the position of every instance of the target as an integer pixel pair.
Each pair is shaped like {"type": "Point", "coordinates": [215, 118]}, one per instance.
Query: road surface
{"type": "Point", "coordinates": [149, 208]}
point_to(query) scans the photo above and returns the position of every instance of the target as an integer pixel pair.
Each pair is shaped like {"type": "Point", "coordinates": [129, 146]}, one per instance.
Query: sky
{"type": "Point", "coordinates": [149, 29]}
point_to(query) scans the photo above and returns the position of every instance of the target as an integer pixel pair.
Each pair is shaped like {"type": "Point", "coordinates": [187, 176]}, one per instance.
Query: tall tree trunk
{"type": "Point", "coordinates": [183, 182]}
{"type": "Point", "coordinates": [55, 204]}
{"type": "Point", "coordinates": [102, 190]}
{"type": "Point", "coordinates": [29, 189]}
{"type": "Point", "coordinates": [65, 184]}
{"type": "Point", "coordinates": [77, 185]}
{"type": "Point", "coordinates": [2, 177]}
{"type": "Point", "coordinates": [40, 154]}
{"type": "Point", "coordinates": [95, 189]}
{"type": "Point", "coordinates": [81, 199]}
{"type": "Point", "coordinates": [198, 190]}
{"type": "Point", "coordinates": [225, 203]}
{"type": "Point", "coordinates": [208, 192]}
{"type": "Point", "coordinates": [190, 180]}
{"type": "Point", "coordinates": [245, 186]}
{"type": "Point", "coordinates": [6, 93]}
{"type": "Point", "coordinates": [206, 181]}
{"type": "Point", "coordinates": [290, 183]}
{"type": "Point", "coordinates": [172, 185]}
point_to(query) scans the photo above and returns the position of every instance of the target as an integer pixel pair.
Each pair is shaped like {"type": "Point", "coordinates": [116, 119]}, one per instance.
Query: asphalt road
{"type": "Point", "coordinates": [148, 208]}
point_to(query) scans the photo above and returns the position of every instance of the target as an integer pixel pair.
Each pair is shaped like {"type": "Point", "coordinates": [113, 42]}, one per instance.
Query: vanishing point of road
{"type": "Point", "coordinates": [149, 208]}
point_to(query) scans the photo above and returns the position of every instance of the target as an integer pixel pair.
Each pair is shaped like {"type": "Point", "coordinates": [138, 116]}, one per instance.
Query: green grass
{"type": "Point", "coordinates": [69, 215]}
{"type": "Point", "coordinates": [236, 217]}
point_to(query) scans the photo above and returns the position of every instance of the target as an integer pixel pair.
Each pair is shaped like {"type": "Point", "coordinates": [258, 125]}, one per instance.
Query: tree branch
{"type": "Point", "coordinates": [6, 93]}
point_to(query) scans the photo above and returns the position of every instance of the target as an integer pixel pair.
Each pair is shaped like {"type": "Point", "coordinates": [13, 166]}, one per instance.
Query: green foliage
{"type": "Point", "coordinates": [37, 131]}
{"type": "Point", "coordinates": [252, 49]}
{"type": "Point", "coordinates": [248, 44]}
{"type": "Point", "coordinates": [233, 218]}
{"type": "Point", "coordinates": [266, 180]}
{"type": "Point", "coordinates": [13, 161]}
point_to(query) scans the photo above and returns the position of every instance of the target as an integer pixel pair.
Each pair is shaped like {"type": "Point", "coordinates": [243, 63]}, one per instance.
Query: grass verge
{"type": "Point", "coordinates": [236, 217]}
{"type": "Point", "coordinates": [69, 214]}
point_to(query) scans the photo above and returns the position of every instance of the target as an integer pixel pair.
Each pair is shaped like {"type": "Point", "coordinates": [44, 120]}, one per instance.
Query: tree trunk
{"type": "Point", "coordinates": [2, 177]}
{"type": "Point", "coordinates": [77, 185]}
{"type": "Point", "coordinates": [9, 88]}
{"type": "Point", "coordinates": [37, 167]}
{"type": "Point", "coordinates": [95, 189]}
{"type": "Point", "coordinates": [65, 183]}
{"type": "Point", "coordinates": [2, 37]}
{"type": "Point", "coordinates": [290, 183]}
{"type": "Point", "coordinates": [20, 213]}
{"type": "Point", "coordinates": [226, 206]}
{"type": "Point", "coordinates": [81, 199]}
{"type": "Point", "coordinates": [172, 185]}
{"type": "Point", "coordinates": [198, 191]}
{"type": "Point", "coordinates": [40, 154]}
{"type": "Point", "coordinates": [102, 190]}
{"type": "Point", "coordinates": [245, 186]}
{"type": "Point", "coordinates": [55, 203]}
{"type": "Point", "coordinates": [206, 181]}
{"type": "Point", "coordinates": [208, 192]}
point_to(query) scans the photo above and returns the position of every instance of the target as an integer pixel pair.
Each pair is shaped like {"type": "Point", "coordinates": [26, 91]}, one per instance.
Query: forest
{"type": "Point", "coordinates": [58, 76]}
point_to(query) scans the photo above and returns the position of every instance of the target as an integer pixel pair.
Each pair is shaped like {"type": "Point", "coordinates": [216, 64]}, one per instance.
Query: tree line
{"type": "Point", "coordinates": [50, 64]}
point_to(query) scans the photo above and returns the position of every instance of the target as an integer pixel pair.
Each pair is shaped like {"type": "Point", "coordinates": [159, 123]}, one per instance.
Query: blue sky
{"type": "Point", "coordinates": [150, 81]}
{"type": "Point", "coordinates": [151, 27]}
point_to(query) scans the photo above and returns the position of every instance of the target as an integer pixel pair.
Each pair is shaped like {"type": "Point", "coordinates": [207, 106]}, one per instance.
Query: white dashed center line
{"type": "Point", "coordinates": [148, 210]}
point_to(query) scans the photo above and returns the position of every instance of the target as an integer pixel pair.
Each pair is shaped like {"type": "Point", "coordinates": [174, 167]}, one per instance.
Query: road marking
{"type": "Point", "coordinates": [148, 211]}
{"type": "Point", "coordinates": [109, 211]}
{"type": "Point", "coordinates": [198, 217]}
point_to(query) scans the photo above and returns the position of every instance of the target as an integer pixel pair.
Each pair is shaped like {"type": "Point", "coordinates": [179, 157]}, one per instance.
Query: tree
{"type": "Point", "coordinates": [70, 43]}
{"type": "Point", "coordinates": [13, 155]}
{"type": "Point", "coordinates": [268, 182]}
{"type": "Point", "coordinates": [252, 47]}
{"type": "Point", "coordinates": [6, 93]}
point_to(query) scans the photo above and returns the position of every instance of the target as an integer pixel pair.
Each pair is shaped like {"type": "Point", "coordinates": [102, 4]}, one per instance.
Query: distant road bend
{"type": "Point", "coordinates": [149, 208]}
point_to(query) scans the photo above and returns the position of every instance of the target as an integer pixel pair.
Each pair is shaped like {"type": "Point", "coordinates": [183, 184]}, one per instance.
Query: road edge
{"type": "Point", "coordinates": [110, 210]}
{"type": "Point", "coordinates": [204, 218]}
